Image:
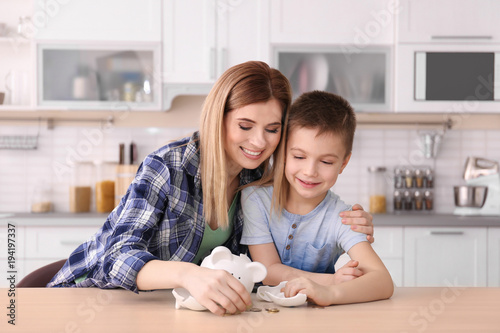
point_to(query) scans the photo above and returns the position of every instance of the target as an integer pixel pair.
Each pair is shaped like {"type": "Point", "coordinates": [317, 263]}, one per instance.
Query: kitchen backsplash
{"type": "Point", "coordinates": [21, 171]}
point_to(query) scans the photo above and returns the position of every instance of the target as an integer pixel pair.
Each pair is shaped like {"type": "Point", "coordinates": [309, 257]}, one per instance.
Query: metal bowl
{"type": "Point", "coordinates": [470, 196]}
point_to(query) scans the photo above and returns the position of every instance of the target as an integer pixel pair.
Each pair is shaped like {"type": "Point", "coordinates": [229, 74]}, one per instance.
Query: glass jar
{"type": "Point", "coordinates": [429, 200]}
{"type": "Point", "coordinates": [80, 190]}
{"type": "Point", "coordinates": [41, 202]}
{"type": "Point", "coordinates": [399, 178]}
{"type": "Point", "coordinates": [408, 178]}
{"type": "Point", "coordinates": [105, 186]}
{"type": "Point", "coordinates": [418, 200]}
{"type": "Point", "coordinates": [419, 178]}
{"type": "Point", "coordinates": [429, 178]}
{"type": "Point", "coordinates": [398, 201]}
{"type": "Point", "coordinates": [377, 190]}
{"type": "Point", "coordinates": [407, 200]}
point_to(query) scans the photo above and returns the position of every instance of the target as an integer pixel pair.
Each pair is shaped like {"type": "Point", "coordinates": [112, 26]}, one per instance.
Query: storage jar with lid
{"type": "Point", "coordinates": [377, 189]}
{"type": "Point", "coordinates": [80, 190]}
{"type": "Point", "coordinates": [105, 186]}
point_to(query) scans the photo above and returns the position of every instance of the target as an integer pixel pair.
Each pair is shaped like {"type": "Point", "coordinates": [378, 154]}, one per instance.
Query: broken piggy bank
{"type": "Point", "coordinates": [241, 267]}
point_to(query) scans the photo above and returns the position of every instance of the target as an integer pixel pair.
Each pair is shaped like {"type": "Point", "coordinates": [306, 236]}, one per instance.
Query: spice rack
{"type": "Point", "coordinates": [413, 189]}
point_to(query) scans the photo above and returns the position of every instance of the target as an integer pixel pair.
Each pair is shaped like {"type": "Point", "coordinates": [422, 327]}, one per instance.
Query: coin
{"type": "Point", "coordinates": [272, 310]}
{"type": "Point", "coordinates": [254, 310]}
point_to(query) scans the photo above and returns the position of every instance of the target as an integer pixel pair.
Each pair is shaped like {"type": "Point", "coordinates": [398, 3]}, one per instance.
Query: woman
{"type": "Point", "coordinates": [165, 223]}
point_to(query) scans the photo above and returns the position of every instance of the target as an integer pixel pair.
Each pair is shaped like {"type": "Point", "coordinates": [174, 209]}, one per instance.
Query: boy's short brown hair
{"type": "Point", "coordinates": [326, 112]}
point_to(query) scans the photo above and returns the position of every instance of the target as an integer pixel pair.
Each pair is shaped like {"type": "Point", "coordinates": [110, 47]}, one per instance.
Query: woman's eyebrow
{"type": "Point", "coordinates": [253, 122]}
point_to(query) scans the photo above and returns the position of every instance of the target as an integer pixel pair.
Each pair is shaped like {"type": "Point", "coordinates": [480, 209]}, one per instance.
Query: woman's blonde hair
{"type": "Point", "coordinates": [247, 83]}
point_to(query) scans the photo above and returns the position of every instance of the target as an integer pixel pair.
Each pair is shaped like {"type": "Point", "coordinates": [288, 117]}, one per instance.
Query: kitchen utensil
{"type": "Point", "coordinates": [431, 141]}
{"type": "Point", "coordinates": [479, 173]}
{"type": "Point", "coordinates": [470, 196]}
{"type": "Point", "coordinates": [476, 167]}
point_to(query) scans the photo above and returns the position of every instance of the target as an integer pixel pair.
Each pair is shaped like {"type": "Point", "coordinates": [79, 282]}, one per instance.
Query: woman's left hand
{"type": "Point", "coordinates": [360, 221]}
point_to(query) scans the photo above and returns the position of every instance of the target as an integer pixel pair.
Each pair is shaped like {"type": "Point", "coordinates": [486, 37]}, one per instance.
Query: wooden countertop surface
{"type": "Point", "coordinates": [450, 309]}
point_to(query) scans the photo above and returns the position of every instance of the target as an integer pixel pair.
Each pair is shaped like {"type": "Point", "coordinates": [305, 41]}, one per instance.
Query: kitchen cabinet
{"type": "Point", "coordinates": [96, 75]}
{"type": "Point", "coordinates": [94, 20]}
{"type": "Point", "coordinates": [389, 247]}
{"type": "Point", "coordinates": [326, 22]}
{"type": "Point", "coordinates": [444, 21]}
{"type": "Point", "coordinates": [45, 245]}
{"type": "Point", "coordinates": [363, 78]}
{"type": "Point", "coordinates": [445, 256]}
{"type": "Point", "coordinates": [201, 39]}
{"type": "Point", "coordinates": [16, 67]}
{"type": "Point", "coordinates": [493, 257]}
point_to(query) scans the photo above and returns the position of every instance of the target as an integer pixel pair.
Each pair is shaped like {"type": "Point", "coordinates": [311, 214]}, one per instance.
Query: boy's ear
{"type": "Point", "coordinates": [344, 164]}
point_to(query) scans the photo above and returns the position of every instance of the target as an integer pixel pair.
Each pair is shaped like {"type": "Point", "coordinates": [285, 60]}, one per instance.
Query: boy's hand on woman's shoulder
{"type": "Point", "coordinates": [348, 272]}
{"type": "Point", "coordinates": [360, 221]}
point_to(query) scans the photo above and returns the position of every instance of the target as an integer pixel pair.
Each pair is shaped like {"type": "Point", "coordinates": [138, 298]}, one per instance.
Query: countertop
{"type": "Point", "coordinates": [443, 309]}
{"type": "Point", "coordinates": [386, 220]}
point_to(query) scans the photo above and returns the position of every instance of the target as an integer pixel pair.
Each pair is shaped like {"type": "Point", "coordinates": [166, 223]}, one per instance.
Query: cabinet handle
{"type": "Point", "coordinates": [212, 63]}
{"type": "Point", "coordinates": [447, 232]}
{"type": "Point", "coordinates": [461, 37]}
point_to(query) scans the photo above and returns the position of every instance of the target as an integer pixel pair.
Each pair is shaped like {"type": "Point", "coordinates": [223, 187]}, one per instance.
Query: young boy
{"type": "Point", "coordinates": [295, 230]}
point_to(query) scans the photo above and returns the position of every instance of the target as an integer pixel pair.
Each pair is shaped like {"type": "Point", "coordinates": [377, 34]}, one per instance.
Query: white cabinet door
{"type": "Point", "coordinates": [389, 247]}
{"type": "Point", "coordinates": [430, 21]}
{"type": "Point", "coordinates": [55, 243]}
{"type": "Point", "coordinates": [493, 257]}
{"type": "Point", "coordinates": [333, 22]}
{"type": "Point", "coordinates": [113, 20]}
{"type": "Point", "coordinates": [242, 32]}
{"type": "Point", "coordinates": [442, 256]}
{"type": "Point", "coordinates": [189, 46]}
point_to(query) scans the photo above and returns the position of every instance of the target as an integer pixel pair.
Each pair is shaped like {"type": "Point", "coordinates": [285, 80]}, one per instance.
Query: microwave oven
{"type": "Point", "coordinates": [448, 78]}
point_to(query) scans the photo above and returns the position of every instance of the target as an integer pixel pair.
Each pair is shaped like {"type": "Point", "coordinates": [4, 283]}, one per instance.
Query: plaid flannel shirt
{"type": "Point", "coordinates": [160, 217]}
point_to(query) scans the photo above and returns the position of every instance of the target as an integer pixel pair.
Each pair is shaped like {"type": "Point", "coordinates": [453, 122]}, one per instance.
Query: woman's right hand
{"type": "Point", "coordinates": [217, 290]}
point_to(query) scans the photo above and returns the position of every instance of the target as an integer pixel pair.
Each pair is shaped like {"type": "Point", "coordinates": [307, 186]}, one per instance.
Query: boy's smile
{"type": "Point", "coordinates": [313, 163]}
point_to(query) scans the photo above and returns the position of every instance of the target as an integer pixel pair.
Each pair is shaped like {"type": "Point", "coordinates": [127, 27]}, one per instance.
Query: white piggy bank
{"type": "Point", "coordinates": [241, 267]}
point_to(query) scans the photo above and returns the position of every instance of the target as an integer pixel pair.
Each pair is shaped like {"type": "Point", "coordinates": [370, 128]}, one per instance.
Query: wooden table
{"type": "Point", "coordinates": [449, 309]}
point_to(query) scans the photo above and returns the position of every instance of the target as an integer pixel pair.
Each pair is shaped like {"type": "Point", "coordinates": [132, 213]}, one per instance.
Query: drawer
{"type": "Point", "coordinates": [388, 242]}
{"type": "Point", "coordinates": [56, 243]}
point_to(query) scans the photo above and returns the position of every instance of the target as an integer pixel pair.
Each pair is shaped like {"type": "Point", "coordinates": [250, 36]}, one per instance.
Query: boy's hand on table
{"type": "Point", "coordinates": [315, 292]}
{"type": "Point", "coordinates": [348, 272]}
{"type": "Point", "coordinates": [360, 221]}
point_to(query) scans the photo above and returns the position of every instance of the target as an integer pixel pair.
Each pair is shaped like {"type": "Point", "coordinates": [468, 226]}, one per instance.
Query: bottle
{"type": "Point", "coordinates": [429, 178]}
{"type": "Point", "coordinates": [398, 201]}
{"type": "Point", "coordinates": [418, 200]}
{"type": "Point", "coordinates": [398, 178]}
{"type": "Point", "coordinates": [419, 178]}
{"type": "Point", "coordinates": [428, 199]}
{"type": "Point", "coordinates": [408, 178]}
{"type": "Point", "coordinates": [408, 200]}
{"type": "Point", "coordinates": [377, 190]}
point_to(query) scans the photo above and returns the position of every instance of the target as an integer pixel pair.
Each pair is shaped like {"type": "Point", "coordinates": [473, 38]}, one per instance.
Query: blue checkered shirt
{"type": "Point", "coordinates": [160, 217]}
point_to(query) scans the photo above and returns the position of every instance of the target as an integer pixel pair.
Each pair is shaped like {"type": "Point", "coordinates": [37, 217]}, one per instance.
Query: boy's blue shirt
{"type": "Point", "coordinates": [311, 242]}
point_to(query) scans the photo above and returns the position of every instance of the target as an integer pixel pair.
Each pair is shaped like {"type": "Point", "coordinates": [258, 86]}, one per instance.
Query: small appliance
{"type": "Point", "coordinates": [480, 173]}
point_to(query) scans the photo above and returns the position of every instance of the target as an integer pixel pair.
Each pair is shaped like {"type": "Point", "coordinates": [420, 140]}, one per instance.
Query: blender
{"type": "Point", "coordinates": [481, 195]}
